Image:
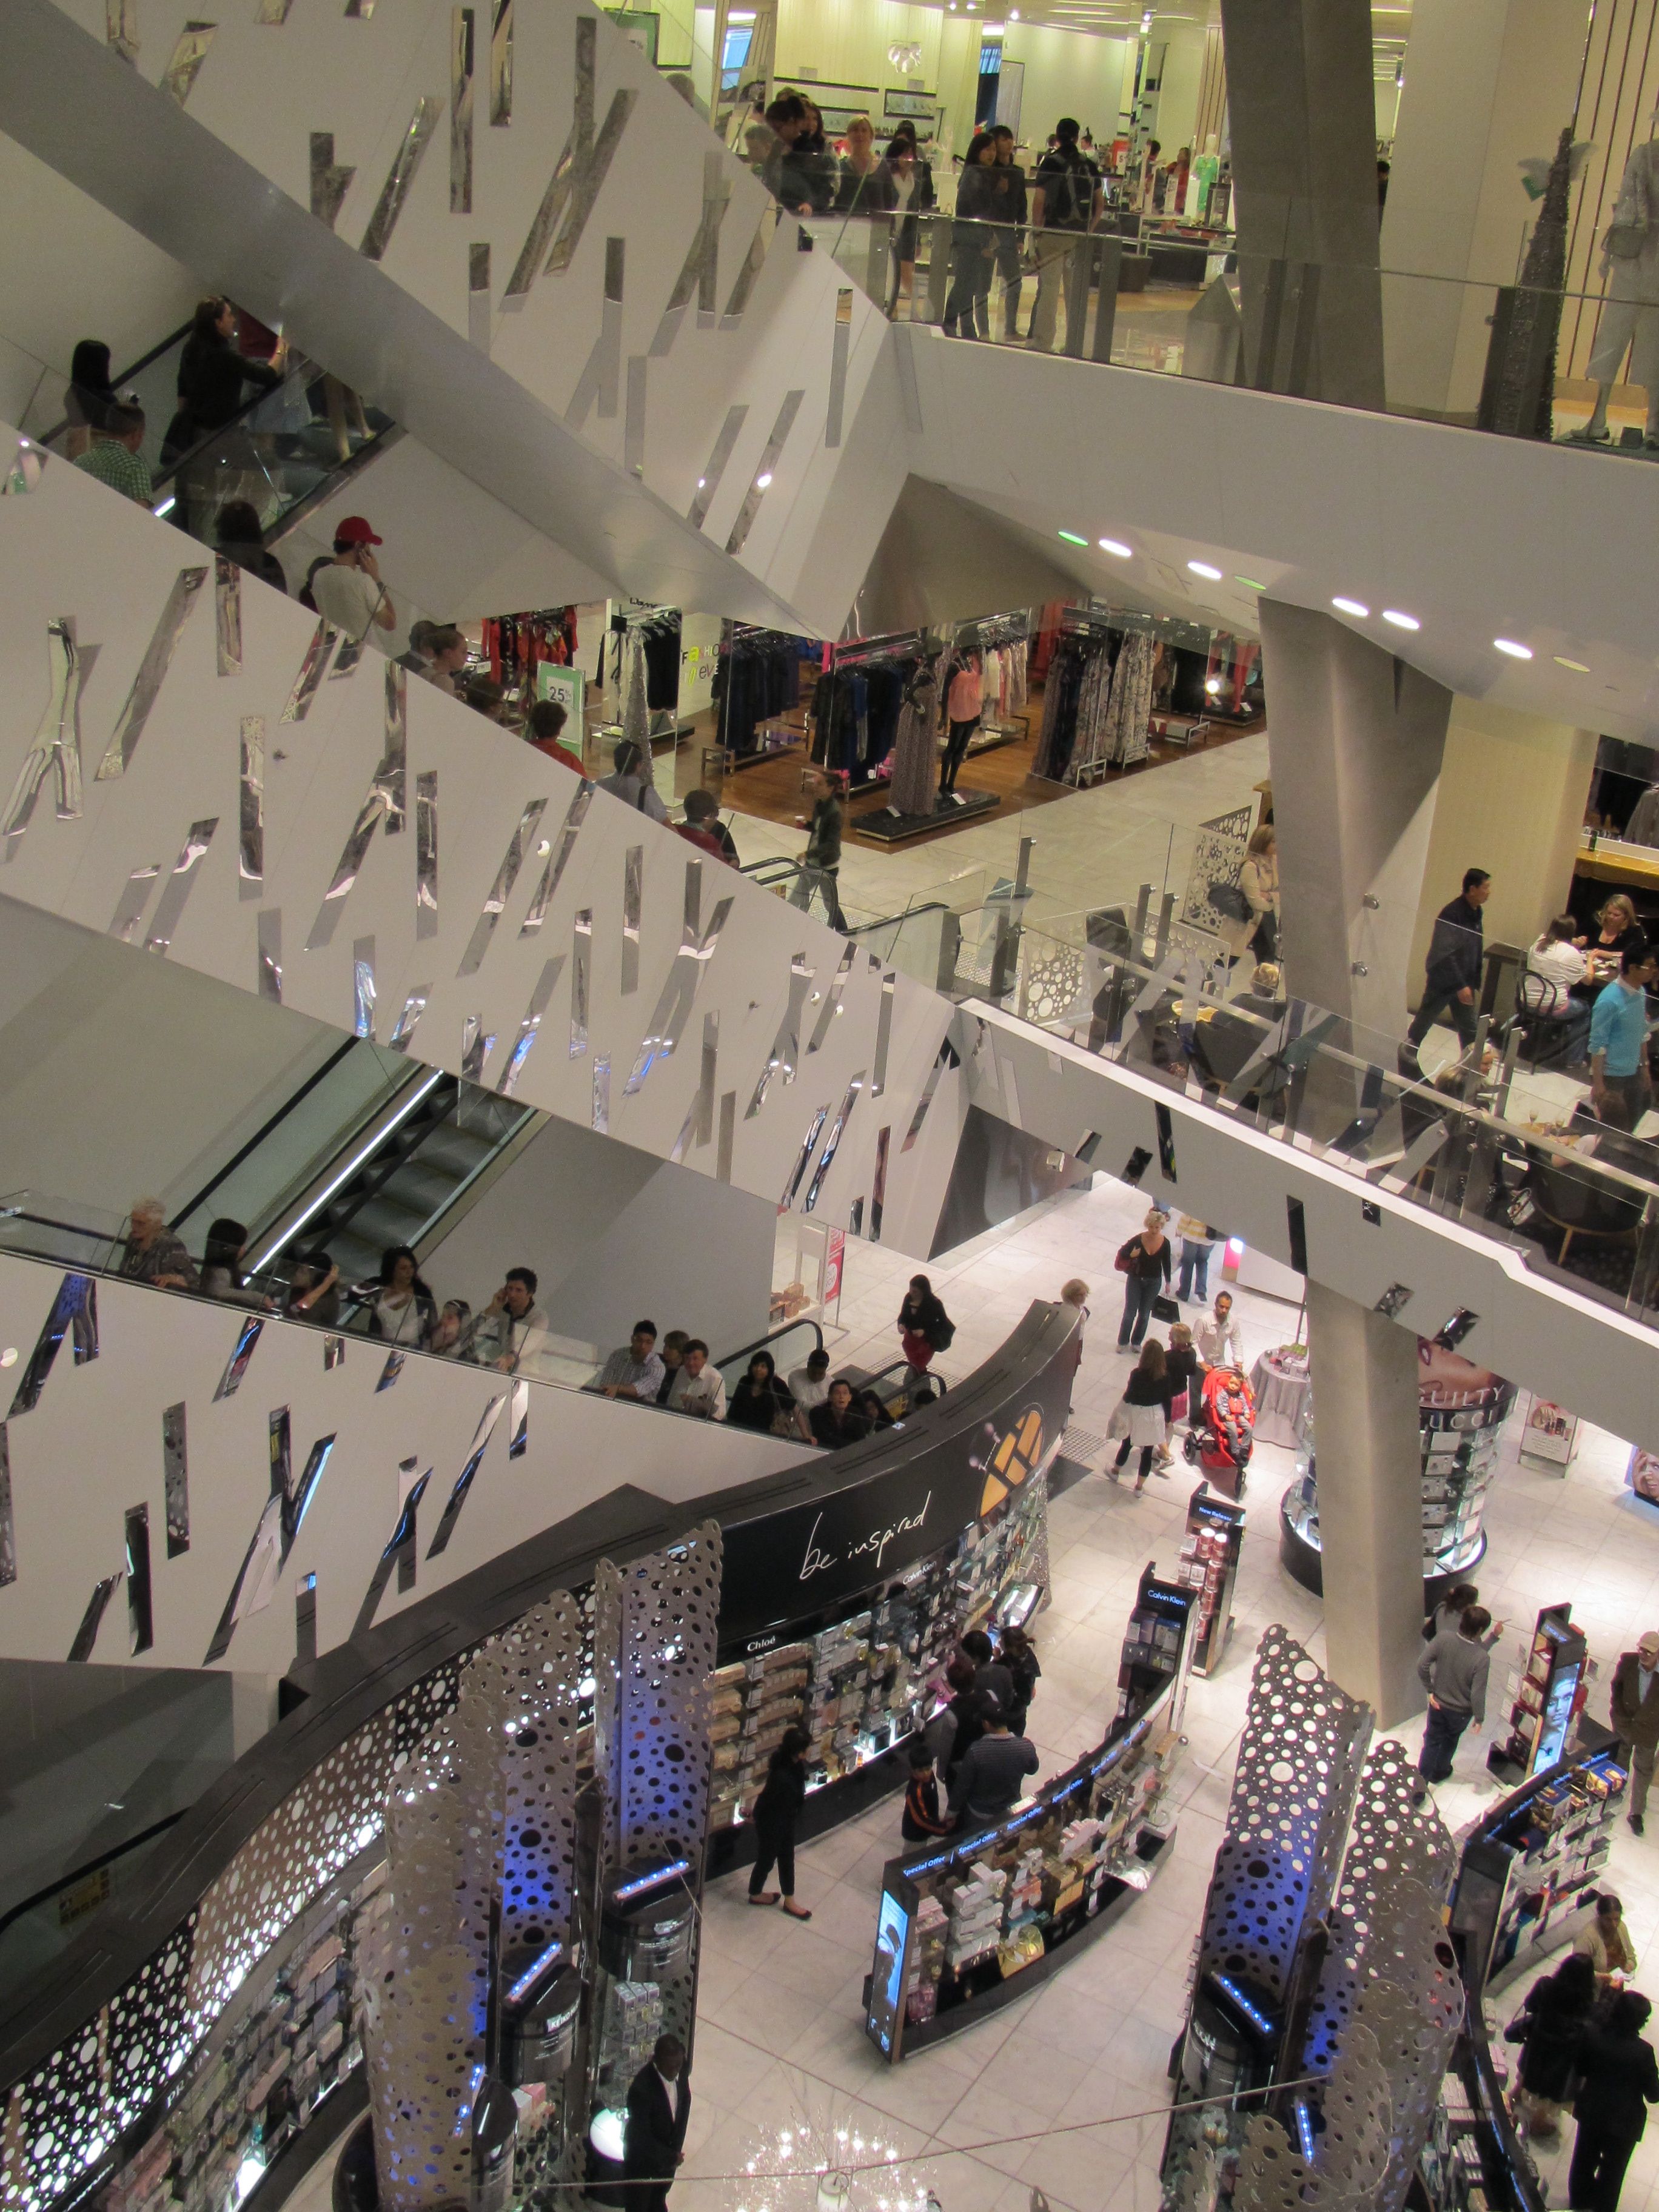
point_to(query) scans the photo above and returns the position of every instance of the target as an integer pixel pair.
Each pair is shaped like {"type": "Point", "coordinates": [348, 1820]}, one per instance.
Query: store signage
{"type": "Point", "coordinates": [801, 1561]}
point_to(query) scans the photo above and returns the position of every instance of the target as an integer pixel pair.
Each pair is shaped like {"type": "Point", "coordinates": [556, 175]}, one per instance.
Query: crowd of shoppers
{"type": "Point", "coordinates": [1166, 1385]}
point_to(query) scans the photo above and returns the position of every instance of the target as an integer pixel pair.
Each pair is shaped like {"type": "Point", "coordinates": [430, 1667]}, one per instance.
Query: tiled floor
{"type": "Point", "coordinates": [1067, 2089]}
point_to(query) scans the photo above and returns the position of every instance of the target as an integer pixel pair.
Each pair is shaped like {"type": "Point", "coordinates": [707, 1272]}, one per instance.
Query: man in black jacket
{"type": "Point", "coordinates": [1452, 970]}
{"type": "Point", "coordinates": [658, 2106]}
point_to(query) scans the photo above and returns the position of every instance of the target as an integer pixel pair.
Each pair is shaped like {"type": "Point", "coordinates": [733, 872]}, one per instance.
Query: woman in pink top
{"type": "Point", "coordinates": [962, 706]}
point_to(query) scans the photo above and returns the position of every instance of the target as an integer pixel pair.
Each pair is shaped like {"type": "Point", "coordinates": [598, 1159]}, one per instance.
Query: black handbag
{"type": "Point", "coordinates": [1228, 901]}
{"type": "Point", "coordinates": [1165, 1309]}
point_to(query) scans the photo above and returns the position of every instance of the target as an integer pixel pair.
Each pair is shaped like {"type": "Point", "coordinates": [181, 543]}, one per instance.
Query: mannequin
{"type": "Point", "coordinates": [1630, 309]}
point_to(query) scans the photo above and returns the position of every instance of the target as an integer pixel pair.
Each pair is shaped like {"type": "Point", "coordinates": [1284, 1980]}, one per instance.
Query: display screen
{"type": "Point", "coordinates": [887, 1976]}
{"type": "Point", "coordinates": [1558, 1716]}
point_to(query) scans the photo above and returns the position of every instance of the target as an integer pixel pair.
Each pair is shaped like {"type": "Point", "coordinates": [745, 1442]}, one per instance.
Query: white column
{"type": "Point", "coordinates": [1370, 1502]}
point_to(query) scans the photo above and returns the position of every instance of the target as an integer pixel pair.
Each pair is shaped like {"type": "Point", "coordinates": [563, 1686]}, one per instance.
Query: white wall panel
{"type": "Point", "coordinates": [72, 548]}
{"type": "Point", "coordinates": [91, 1449]}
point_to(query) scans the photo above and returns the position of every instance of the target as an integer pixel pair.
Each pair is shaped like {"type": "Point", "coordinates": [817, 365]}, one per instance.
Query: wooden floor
{"type": "Point", "coordinates": [771, 790]}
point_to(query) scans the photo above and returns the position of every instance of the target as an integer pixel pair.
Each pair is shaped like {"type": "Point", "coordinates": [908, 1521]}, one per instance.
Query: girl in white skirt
{"type": "Point", "coordinates": [1139, 1418]}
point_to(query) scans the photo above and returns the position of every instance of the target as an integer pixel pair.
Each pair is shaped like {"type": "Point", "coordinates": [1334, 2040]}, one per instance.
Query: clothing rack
{"type": "Point", "coordinates": [757, 679]}
{"type": "Point", "coordinates": [857, 703]}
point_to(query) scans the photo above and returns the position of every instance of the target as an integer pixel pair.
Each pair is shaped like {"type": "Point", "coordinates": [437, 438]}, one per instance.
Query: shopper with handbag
{"type": "Point", "coordinates": [1620, 2080]}
{"type": "Point", "coordinates": [924, 1329]}
{"type": "Point", "coordinates": [1144, 1262]}
{"type": "Point", "coordinates": [1550, 2028]}
{"type": "Point", "coordinates": [1249, 921]}
{"type": "Point", "coordinates": [1139, 1416]}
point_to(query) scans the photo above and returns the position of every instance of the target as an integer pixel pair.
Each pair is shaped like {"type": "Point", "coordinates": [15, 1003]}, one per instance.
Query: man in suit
{"type": "Point", "coordinates": [1636, 1716]}
{"type": "Point", "coordinates": [658, 2105]}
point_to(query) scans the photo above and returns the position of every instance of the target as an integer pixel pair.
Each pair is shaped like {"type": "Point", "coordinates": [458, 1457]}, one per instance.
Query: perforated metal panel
{"type": "Point", "coordinates": [667, 1610]}
{"type": "Point", "coordinates": [1298, 1767]}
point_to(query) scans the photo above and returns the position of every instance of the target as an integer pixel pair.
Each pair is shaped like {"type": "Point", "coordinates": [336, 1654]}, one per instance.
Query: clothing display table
{"type": "Point", "coordinates": [1282, 1387]}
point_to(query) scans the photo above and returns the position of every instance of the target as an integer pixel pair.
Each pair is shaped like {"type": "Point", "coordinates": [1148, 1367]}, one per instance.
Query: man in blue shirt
{"type": "Point", "coordinates": [1618, 1035]}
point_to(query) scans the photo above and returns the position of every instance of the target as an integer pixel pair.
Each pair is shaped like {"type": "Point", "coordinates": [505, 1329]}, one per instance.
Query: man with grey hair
{"type": "Point", "coordinates": [1636, 1716]}
{"type": "Point", "coordinates": [152, 1253]}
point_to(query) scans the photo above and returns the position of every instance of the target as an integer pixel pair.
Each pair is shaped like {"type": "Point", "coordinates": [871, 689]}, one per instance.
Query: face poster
{"type": "Point", "coordinates": [1643, 1475]}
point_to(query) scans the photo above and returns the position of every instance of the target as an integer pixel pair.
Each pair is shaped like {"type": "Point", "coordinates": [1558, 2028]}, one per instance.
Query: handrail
{"type": "Point", "coordinates": [142, 362]}
{"type": "Point", "coordinates": [265, 1130]}
{"type": "Point", "coordinates": [91, 1865]}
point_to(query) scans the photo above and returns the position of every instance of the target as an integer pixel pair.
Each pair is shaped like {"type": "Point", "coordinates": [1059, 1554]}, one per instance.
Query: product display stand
{"type": "Point", "coordinates": [968, 1926]}
{"type": "Point", "coordinates": [1209, 1554]}
{"type": "Point", "coordinates": [1522, 1893]}
{"type": "Point", "coordinates": [1544, 1698]}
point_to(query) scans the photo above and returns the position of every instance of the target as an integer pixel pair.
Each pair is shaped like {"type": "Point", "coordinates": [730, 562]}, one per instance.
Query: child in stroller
{"type": "Point", "coordinates": [1219, 1442]}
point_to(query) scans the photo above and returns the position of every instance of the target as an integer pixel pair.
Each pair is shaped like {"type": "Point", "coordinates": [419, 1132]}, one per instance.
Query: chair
{"type": "Point", "coordinates": [1573, 1204]}
{"type": "Point", "coordinates": [1545, 1016]}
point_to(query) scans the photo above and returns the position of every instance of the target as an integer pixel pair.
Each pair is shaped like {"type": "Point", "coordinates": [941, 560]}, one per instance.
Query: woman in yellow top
{"type": "Point", "coordinates": [1605, 1943]}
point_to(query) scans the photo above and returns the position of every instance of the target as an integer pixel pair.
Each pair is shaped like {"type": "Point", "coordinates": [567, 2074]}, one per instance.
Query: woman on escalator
{"type": "Point", "coordinates": [403, 1311]}
{"type": "Point", "coordinates": [762, 1401]}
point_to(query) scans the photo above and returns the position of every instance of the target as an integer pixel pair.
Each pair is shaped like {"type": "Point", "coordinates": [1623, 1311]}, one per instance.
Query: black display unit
{"type": "Point", "coordinates": [978, 1920]}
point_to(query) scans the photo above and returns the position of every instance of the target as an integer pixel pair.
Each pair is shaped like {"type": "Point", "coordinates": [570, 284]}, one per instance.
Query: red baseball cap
{"type": "Point", "coordinates": [353, 530]}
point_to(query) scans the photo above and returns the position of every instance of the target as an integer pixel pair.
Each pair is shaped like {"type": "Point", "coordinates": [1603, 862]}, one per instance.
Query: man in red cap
{"type": "Point", "coordinates": [347, 590]}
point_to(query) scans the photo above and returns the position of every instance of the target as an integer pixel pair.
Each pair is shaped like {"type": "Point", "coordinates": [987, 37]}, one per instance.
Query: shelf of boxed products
{"type": "Point", "coordinates": [959, 1925]}
{"type": "Point", "coordinates": [1560, 1837]}
{"type": "Point", "coordinates": [1520, 1893]}
{"type": "Point", "coordinates": [966, 1927]}
{"type": "Point", "coordinates": [1210, 1554]}
{"type": "Point", "coordinates": [287, 2041]}
{"type": "Point", "coordinates": [1450, 2167]}
{"type": "Point", "coordinates": [862, 1685]}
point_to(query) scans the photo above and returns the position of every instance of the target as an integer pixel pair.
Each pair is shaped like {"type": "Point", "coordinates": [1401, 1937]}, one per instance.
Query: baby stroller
{"type": "Point", "coordinates": [1219, 1442]}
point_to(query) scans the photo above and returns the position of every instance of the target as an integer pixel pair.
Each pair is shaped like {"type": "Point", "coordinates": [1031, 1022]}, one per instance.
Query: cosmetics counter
{"type": "Point", "coordinates": [1522, 1893]}
{"type": "Point", "coordinates": [966, 1926]}
{"type": "Point", "coordinates": [202, 2049]}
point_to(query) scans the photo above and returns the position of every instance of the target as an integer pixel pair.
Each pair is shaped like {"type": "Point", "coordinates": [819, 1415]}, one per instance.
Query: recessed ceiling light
{"type": "Point", "coordinates": [1249, 583]}
{"type": "Point", "coordinates": [1116, 549]}
{"type": "Point", "coordinates": [1577, 667]}
{"type": "Point", "coordinates": [1401, 621]}
{"type": "Point", "coordinates": [765, 478]}
{"type": "Point", "coordinates": [1360, 612]}
{"type": "Point", "coordinates": [1072, 538]}
{"type": "Point", "coordinates": [1203, 569]}
{"type": "Point", "coordinates": [1514, 652]}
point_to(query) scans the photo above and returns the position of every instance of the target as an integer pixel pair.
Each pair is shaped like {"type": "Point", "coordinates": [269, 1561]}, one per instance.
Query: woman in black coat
{"type": "Point", "coordinates": [924, 1327]}
{"type": "Point", "coordinates": [211, 374]}
{"type": "Point", "coordinates": [1552, 2024]}
{"type": "Point", "coordinates": [90, 395]}
{"type": "Point", "coordinates": [762, 1401]}
{"type": "Point", "coordinates": [1620, 2081]}
{"type": "Point", "coordinates": [776, 1816]}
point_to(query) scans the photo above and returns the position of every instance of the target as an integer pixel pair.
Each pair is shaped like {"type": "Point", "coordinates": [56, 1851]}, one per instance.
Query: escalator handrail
{"type": "Point", "coordinates": [729, 1358]}
{"type": "Point", "coordinates": [116, 383]}
{"type": "Point", "coordinates": [291, 517]}
{"type": "Point", "coordinates": [91, 1865]}
{"type": "Point", "coordinates": [908, 913]}
{"type": "Point", "coordinates": [265, 1129]}
{"type": "Point", "coordinates": [369, 1135]}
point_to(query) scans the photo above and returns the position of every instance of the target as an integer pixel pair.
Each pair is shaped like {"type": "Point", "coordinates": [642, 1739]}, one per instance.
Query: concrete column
{"type": "Point", "coordinates": [1303, 116]}
{"type": "Point", "coordinates": [1513, 791]}
{"type": "Point", "coordinates": [1370, 1502]}
{"type": "Point", "coordinates": [1354, 743]}
{"type": "Point", "coordinates": [1489, 84]}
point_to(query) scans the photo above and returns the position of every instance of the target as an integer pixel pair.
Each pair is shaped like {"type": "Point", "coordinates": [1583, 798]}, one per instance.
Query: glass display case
{"type": "Point", "coordinates": [1461, 1412]}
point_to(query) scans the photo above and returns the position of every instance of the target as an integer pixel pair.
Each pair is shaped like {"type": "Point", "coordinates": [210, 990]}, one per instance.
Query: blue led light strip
{"type": "Point", "coordinates": [642, 1882]}
{"type": "Point", "coordinates": [526, 1980]}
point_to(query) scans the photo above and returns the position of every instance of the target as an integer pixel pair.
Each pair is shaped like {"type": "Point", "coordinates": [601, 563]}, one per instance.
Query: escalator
{"type": "Point", "coordinates": [368, 1152]}
{"type": "Point", "coordinates": [286, 453]}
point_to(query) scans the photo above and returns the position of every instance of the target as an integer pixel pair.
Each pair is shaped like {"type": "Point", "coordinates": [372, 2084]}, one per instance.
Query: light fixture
{"type": "Point", "coordinates": [1072, 538]}
{"type": "Point", "coordinates": [1401, 621]}
{"type": "Point", "coordinates": [1577, 667]}
{"type": "Point", "coordinates": [1249, 583]}
{"type": "Point", "coordinates": [741, 15]}
{"type": "Point", "coordinates": [1203, 569]}
{"type": "Point", "coordinates": [166, 507]}
{"type": "Point", "coordinates": [1354, 607]}
{"type": "Point", "coordinates": [1212, 685]}
{"type": "Point", "coordinates": [763, 479]}
{"type": "Point", "coordinates": [1508, 645]}
{"type": "Point", "coordinates": [1118, 552]}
